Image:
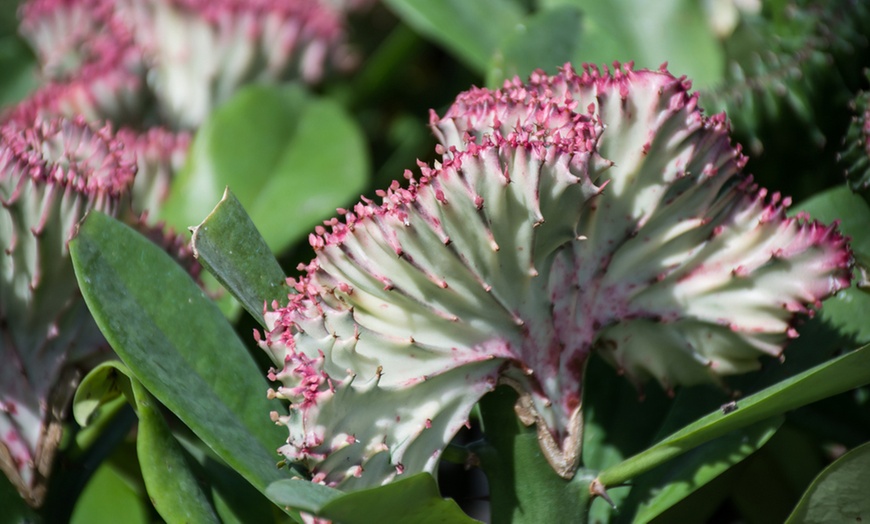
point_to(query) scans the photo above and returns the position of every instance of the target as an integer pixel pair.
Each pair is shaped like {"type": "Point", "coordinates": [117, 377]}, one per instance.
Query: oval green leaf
{"type": "Point", "coordinates": [472, 31]}
{"type": "Point", "coordinates": [545, 40]}
{"type": "Point", "coordinates": [108, 499]}
{"type": "Point", "coordinates": [291, 158]}
{"type": "Point", "coordinates": [839, 493]}
{"type": "Point", "coordinates": [172, 487]}
{"type": "Point", "coordinates": [178, 344]}
{"type": "Point", "coordinates": [414, 499]}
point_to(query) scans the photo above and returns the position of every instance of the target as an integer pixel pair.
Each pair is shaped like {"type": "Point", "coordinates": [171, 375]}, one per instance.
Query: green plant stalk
{"type": "Point", "coordinates": [830, 378]}
{"type": "Point", "coordinates": [523, 486]}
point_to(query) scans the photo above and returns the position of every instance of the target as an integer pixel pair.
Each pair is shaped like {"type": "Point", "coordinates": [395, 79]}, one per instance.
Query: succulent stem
{"type": "Point", "coordinates": [523, 487]}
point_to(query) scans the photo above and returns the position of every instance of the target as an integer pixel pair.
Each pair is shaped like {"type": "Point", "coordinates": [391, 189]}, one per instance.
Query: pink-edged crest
{"type": "Point", "coordinates": [66, 34]}
{"type": "Point", "coordinates": [51, 174]}
{"type": "Point", "coordinates": [113, 59]}
{"type": "Point", "coordinates": [90, 62]}
{"type": "Point", "coordinates": [201, 51]}
{"type": "Point", "coordinates": [580, 212]}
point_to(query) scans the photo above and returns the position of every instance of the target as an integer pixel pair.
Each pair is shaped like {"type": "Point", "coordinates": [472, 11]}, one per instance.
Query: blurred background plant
{"type": "Point", "coordinates": [301, 107]}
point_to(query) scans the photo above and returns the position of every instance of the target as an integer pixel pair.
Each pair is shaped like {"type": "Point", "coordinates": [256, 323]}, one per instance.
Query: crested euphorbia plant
{"type": "Point", "coordinates": [568, 230]}
{"type": "Point", "coordinates": [589, 214]}
{"type": "Point", "coordinates": [51, 175]}
{"type": "Point", "coordinates": [584, 212]}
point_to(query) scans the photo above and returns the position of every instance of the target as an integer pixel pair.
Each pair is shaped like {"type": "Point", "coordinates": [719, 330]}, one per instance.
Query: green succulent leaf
{"type": "Point", "coordinates": [835, 376]}
{"type": "Point", "coordinates": [105, 383]}
{"type": "Point", "coordinates": [417, 496]}
{"type": "Point", "coordinates": [669, 484]}
{"type": "Point", "coordinates": [839, 493]}
{"type": "Point", "coordinates": [177, 344]}
{"type": "Point", "coordinates": [301, 494]}
{"type": "Point", "coordinates": [290, 157]}
{"type": "Point", "coordinates": [186, 483]}
{"type": "Point", "coordinates": [228, 244]}
{"type": "Point", "coordinates": [108, 499]}
{"type": "Point", "coordinates": [546, 40]}
{"type": "Point", "coordinates": [172, 487]}
{"type": "Point", "coordinates": [456, 25]}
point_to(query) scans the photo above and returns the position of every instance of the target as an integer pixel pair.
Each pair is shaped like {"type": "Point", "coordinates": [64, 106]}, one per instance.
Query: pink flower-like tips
{"type": "Point", "coordinates": [575, 213]}
{"type": "Point", "coordinates": [51, 175]}
{"type": "Point", "coordinates": [121, 59]}
{"type": "Point", "coordinates": [200, 52]}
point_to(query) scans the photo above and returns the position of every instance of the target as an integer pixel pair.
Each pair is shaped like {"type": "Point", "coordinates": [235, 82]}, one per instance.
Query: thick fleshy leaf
{"type": "Point", "coordinates": [456, 24]}
{"type": "Point", "coordinates": [301, 494]}
{"type": "Point", "coordinates": [230, 247]}
{"type": "Point", "coordinates": [104, 383]}
{"type": "Point", "coordinates": [276, 148]}
{"type": "Point", "coordinates": [675, 31]}
{"type": "Point", "coordinates": [235, 500]}
{"type": "Point", "coordinates": [839, 493]}
{"type": "Point", "coordinates": [172, 487]}
{"type": "Point", "coordinates": [666, 486]}
{"type": "Point", "coordinates": [836, 376]}
{"type": "Point", "coordinates": [415, 499]}
{"type": "Point", "coordinates": [177, 344]}
{"type": "Point", "coordinates": [412, 499]}
{"type": "Point", "coordinates": [108, 489]}
{"type": "Point", "coordinates": [544, 40]}
{"type": "Point", "coordinates": [176, 478]}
